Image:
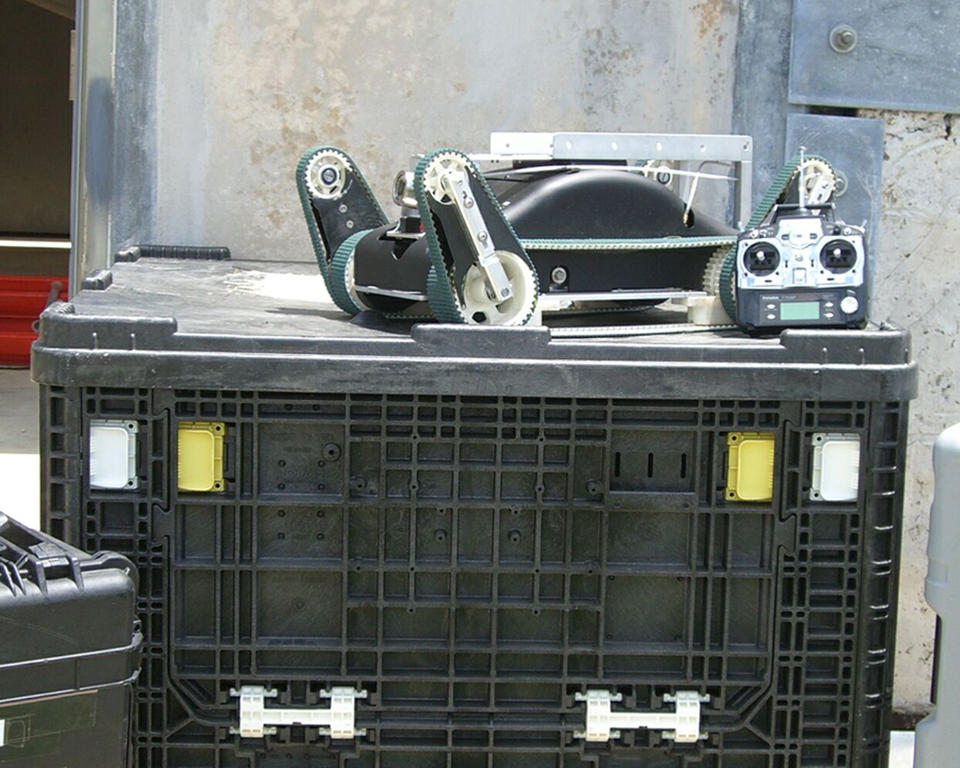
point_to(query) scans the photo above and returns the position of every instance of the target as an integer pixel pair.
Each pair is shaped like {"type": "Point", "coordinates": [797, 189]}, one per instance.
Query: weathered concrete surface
{"type": "Point", "coordinates": [917, 285]}
{"type": "Point", "coordinates": [244, 88]}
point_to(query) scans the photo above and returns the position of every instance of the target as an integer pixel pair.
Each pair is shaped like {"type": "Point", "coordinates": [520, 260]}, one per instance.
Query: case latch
{"type": "Point", "coordinates": [337, 721]}
{"type": "Point", "coordinates": [682, 725]}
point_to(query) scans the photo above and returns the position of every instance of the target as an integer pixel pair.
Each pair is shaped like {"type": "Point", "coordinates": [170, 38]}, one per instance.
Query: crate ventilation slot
{"type": "Point", "coordinates": [338, 721]}
{"type": "Point", "coordinates": [603, 724]}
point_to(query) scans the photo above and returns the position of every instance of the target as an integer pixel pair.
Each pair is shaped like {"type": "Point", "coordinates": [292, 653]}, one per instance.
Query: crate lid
{"type": "Point", "coordinates": [234, 324]}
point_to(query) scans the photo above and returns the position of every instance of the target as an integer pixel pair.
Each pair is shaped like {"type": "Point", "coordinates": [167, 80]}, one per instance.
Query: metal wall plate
{"type": "Point", "coordinates": [854, 147]}
{"type": "Point", "coordinates": [873, 53]}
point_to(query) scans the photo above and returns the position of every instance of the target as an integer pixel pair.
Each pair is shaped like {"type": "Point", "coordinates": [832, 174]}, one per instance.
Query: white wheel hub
{"type": "Point", "coordinates": [480, 309]}
{"type": "Point", "coordinates": [327, 174]}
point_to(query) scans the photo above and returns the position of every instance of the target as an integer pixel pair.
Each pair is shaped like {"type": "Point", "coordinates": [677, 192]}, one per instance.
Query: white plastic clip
{"type": "Point", "coordinates": [337, 721]}
{"type": "Point", "coordinates": [113, 454]}
{"type": "Point", "coordinates": [836, 467]}
{"type": "Point", "coordinates": [603, 724]}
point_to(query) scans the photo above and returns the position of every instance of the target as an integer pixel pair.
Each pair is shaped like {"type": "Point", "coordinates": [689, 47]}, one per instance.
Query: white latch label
{"type": "Point", "coordinates": [681, 725]}
{"type": "Point", "coordinates": [836, 467]}
{"type": "Point", "coordinates": [113, 454]}
{"type": "Point", "coordinates": [337, 721]}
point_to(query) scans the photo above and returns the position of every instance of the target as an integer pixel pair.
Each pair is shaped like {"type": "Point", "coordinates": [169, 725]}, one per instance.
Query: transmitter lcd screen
{"type": "Point", "coordinates": [800, 310]}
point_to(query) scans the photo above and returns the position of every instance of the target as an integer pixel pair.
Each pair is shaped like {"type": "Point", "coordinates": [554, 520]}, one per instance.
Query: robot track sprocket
{"type": "Point", "coordinates": [336, 207]}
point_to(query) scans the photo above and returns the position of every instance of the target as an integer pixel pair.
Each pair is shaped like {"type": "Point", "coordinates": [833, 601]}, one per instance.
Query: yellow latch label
{"type": "Point", "coordinates": [750, 462]}
{"type": "Point", "coordinates": [200, 455]}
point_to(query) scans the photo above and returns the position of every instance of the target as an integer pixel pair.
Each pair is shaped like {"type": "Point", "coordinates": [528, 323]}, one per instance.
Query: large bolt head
{"type": "Point", "coordinates": [843, 38]}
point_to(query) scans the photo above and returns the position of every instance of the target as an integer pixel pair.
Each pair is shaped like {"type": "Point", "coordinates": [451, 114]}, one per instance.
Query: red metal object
{"type": "Point", "coordinates": [22, 299]}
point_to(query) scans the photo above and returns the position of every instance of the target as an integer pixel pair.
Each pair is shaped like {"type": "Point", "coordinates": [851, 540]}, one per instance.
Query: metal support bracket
{"type": "Point", "coordinates": [690, 150]}
{"type": "Point", "coordinates": [455, 184]}
{"type": "Point", "coordinates": [681, 725]}
{"type": "Point", "coordinates": [337, 721]}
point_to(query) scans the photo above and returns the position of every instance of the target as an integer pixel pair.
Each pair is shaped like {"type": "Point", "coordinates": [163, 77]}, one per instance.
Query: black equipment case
{"type": "Point", "coordinates": [69, 653]}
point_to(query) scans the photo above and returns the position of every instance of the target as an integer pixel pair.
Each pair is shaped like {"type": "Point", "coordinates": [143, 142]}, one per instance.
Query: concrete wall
{"type": "Point", "coordinates": [917, 286]}
{"type": "Point", "coordinates": [244, 88]}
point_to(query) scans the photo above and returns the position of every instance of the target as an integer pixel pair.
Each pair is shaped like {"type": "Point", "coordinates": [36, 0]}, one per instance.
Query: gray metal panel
{"type": "Point", "coordinates": [905, 55]}
{"type": "Point", "coordinates": [91, 183]}
{"type": "Point", "coordinates": [760, 92]}
{"type": "Point", "coordinates": [854, 146]}
{"type": "Point", "coordinates": [936, 735]}
{"type": "Point", "coordinates": [135, 140]}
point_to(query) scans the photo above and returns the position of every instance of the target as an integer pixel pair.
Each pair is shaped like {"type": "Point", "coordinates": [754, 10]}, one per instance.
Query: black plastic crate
{"type": "Point", "coordinates": [69, 653]}
{"type": "Point", "coordinates": [476, 526]}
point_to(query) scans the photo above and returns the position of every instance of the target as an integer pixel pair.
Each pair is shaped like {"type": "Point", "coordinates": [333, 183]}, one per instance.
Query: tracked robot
{"type": "Point", "coordinates": [544, 223]}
